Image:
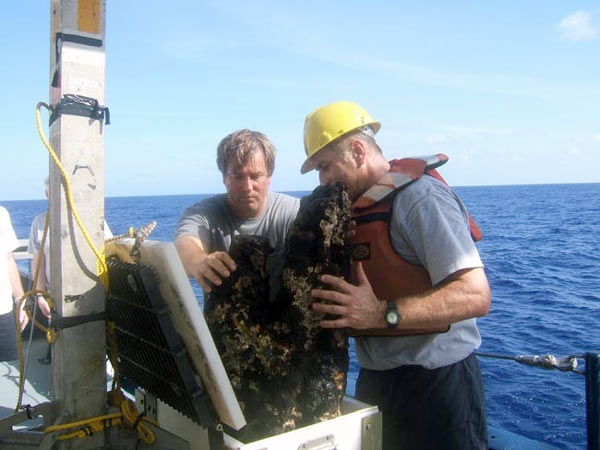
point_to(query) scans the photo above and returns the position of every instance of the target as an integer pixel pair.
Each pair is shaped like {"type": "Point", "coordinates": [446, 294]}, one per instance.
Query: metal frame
{"type": "Point", "coordinates": [592, 398]}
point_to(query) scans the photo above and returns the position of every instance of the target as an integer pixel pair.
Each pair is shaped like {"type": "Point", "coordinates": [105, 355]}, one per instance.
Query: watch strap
{"type": "Point", "coordinates": [392, 307]}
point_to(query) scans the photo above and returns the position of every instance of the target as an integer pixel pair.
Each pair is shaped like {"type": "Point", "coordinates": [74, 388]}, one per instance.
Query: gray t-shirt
{"type": "Point", "coordinates": [212, 221]}
{"type": "Point", "coordinates": [429, 227]}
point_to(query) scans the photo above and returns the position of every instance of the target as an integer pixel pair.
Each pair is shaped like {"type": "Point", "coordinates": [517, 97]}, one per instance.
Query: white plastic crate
{"type": "Point", "coordinates": [358, 428]}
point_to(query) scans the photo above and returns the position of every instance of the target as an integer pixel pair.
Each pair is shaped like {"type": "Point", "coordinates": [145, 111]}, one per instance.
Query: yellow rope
{"type": "Point", "coordinates": [20, 349]}
{"type": "Point", "coordinates": [33, 291]}
{"type": "Point", "coordinates": [128, 415]}
{"type": "Point", "coordinates": [88, 426]}
{"type": "Point", "coordinates": [101, 268]}
{"type": "Point", "coordinates": [38, 264]}
{"type": "Point", "coordinates": [103, 275]}
{"type": "Point", "coordinates": [50, 336]}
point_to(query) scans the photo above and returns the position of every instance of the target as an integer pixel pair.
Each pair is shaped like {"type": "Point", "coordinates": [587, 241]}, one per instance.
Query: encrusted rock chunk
{"type": "Point", "coordinates": [287, 372]}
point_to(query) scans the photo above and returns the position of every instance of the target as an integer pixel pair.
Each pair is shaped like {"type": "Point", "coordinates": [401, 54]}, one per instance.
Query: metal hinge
{"type": "Point", "coordinates": [322, 443]}
{"type": "Point", "coordinates": [372, 427]}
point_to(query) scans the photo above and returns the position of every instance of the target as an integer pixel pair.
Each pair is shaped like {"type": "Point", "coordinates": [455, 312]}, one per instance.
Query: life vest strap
{"type": "Point", "coordinates": [383, 216]}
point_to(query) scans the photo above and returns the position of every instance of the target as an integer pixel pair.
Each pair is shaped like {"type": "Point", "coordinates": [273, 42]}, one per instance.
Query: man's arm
{"type": "Point", "coordinates": [17, 289]}
{"type": "Point", "coordinates": [463, 295]}
{"type": "Point", "coordinates": [38, 258]}
{"type": "Point", "coordinates": [34, 247]}
{"type": "Point", "coordinates": [208, 268]}
{"type": "Point", "coordinates": [40, 282]}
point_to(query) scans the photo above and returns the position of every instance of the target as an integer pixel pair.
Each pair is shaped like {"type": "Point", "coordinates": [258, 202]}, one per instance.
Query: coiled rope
{"type": "Point", "coordinates": [87, 427]}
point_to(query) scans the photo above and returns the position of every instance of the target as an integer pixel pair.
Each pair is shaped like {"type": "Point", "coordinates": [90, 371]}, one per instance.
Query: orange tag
{"type": "Point", "coordinates": [88, 16]}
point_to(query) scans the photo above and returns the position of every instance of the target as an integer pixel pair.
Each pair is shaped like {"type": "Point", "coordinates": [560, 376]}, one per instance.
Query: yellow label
{"type": "Point", "coordinates": [88, 16]}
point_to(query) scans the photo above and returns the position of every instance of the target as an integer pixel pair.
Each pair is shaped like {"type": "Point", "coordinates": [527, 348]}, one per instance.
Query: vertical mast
{"type": "Point", "coordinates": [77, 71]}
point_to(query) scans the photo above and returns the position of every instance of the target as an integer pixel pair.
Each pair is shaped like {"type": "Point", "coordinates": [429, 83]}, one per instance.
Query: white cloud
{"type": "Point", "coordinates": [578, 27]}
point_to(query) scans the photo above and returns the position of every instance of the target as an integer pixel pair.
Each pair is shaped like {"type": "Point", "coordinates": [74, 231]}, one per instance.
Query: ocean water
{"type": "Point", "coordinates": [541, 249]}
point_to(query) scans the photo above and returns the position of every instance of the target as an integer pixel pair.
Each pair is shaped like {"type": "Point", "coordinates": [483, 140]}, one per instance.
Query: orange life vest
{"type": "Point", "coordinates": [390, 275]}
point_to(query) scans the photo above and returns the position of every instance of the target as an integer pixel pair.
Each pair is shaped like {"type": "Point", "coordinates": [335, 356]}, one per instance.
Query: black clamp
{"type": "Point", "coordinates": [80, 105]}
{"type": "Point", "coordinates": [27, 409]}
{"type": "Point", "coordinates": [68, 322]}
{"type": "Point", "coordinates": [77, 39]}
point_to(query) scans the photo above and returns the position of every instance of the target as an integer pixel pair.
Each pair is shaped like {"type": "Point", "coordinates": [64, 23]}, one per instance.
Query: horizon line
{"type": "Point", "coordinates": [310, 190]}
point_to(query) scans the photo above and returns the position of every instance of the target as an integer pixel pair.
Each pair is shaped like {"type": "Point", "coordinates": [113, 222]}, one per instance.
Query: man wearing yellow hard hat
{"type": "Point", "coordinates": [418, 285]}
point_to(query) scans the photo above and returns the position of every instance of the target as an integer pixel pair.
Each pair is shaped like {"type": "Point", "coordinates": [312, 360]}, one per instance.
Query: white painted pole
{"type": "Point", "coordinates": [77, 66]}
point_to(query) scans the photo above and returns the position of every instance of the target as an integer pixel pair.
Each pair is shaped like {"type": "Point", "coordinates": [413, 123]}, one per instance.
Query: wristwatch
{"type": "Point", "coordinates": [392, 315]}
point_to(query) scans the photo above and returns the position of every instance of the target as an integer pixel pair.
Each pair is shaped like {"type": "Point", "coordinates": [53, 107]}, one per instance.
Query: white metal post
{"type": "Point", "coordinates": [77, 67]}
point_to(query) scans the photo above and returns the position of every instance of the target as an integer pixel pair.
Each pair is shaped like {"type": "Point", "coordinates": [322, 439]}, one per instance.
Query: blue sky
{"type": "Point", "coordinates": [509, 90]}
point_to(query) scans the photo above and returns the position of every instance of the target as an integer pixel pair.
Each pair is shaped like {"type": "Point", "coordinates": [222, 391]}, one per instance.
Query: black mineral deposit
{"type": "Point", "coordinates": [286, 371]}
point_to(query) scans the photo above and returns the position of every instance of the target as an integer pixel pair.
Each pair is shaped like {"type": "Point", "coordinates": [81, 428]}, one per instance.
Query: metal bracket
{"type": "Point", "coordinates": [26, 438]}
{"type": "Point", "coordinates": [61, 323]}
{"type": "Point", "coordinates": [146, 403]}
{"type": "Point", "coordinates": [372, 429]}
{"type": "Point", "coordinates": [80, 105]}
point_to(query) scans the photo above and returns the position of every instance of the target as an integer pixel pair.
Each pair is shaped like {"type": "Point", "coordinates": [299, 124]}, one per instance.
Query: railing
{"type": "Point", "coordinates": [21, 251]}
{"type": "Point", "coordinates": [569, 364]}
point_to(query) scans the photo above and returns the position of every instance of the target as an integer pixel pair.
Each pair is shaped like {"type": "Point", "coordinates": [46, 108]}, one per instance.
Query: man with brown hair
{"type": "Point", "coordinates": [247, 160]}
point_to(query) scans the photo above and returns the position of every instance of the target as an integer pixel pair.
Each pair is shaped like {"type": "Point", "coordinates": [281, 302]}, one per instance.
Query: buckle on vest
{"type": "Point", "coordinates": [361, 251]}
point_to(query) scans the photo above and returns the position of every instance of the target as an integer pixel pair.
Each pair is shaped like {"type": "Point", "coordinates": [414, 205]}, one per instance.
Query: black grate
{"type": "Point", "coordinates": [151, 353]}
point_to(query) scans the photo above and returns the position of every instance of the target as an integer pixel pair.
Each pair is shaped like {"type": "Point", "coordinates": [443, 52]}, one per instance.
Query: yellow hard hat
{"type": "Point", "coordinates": [329, 122]}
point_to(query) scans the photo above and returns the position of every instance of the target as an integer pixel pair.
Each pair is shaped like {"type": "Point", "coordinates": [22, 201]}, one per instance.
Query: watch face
{"type": "Point", "coordinates": [392, 317]}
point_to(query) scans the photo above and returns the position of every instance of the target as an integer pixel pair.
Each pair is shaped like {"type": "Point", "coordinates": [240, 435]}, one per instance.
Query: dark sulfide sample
{"type": "Point", "coordinates": [286, 371]}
